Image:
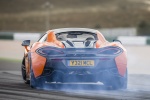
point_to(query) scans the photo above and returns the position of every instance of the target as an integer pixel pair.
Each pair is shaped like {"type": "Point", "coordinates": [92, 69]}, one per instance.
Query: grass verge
{"type": "Point", "coordinates": [10, 60]}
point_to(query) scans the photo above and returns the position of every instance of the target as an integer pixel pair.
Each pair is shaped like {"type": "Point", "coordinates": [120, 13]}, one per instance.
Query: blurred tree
{"type": "Point", "coordinates": [97, 26]}
{"type": "Point", "coordinates": [143, 28]}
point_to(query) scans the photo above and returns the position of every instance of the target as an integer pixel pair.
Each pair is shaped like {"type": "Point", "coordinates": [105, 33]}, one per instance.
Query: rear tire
{"type": "Point", "coordinates": [23, 70]}
{"type": "Point", "coordinates": [35, 83]}
{"type": "Point", "coordinates": [32, 80]}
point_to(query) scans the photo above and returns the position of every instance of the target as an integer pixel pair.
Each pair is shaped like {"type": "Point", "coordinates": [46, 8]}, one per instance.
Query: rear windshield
{"type": "Point", "coordinates": [76, 36]}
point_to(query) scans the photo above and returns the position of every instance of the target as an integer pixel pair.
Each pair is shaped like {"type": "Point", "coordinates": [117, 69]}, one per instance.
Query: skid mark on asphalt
{"type": "Point", "coordinates": [13, 88]}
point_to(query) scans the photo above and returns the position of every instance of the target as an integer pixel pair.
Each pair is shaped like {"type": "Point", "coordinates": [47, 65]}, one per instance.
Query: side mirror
{"type": "Point", "coordinates": [26, 43]}
{"type": "Point", "coordinates": [117, 41]}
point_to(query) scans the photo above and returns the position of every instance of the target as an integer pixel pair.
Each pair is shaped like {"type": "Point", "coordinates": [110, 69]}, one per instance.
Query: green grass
{"type": "Point", "coordinates": [10, 60]}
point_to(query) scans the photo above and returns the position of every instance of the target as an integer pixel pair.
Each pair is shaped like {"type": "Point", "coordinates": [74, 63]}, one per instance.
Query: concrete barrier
{"type": "Point", "coordinates": [115, 32]}
{"type": "Point", "coordinates": [134, 40]}
{"type": "Point", "coordinates": [127, 40]}
{"type": "Point", "coordinates": [20, 36]}
{"type": "Point", "coordinates": [26, 36]}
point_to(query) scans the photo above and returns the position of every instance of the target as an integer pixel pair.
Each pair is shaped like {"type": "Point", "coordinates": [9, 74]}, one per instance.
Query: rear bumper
{"type": "Point", "coordinates": [79, 76]}
{"type": "Point", "coordinates": [59, 79]}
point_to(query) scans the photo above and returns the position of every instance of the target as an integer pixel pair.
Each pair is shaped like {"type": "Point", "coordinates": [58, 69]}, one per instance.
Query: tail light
{"type": "Point", "coordinates": [45, 51]}
{"type": "Point", "coordinates": [110, 50]}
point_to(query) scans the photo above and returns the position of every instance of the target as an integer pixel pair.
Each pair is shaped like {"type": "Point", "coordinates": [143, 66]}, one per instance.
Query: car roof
{"type": "Point", "coordinates": [74, 29]}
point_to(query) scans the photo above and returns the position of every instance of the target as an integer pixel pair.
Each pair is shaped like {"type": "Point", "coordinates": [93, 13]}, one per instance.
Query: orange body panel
{"type": "Point", "coordinates": [101, 42]}
{"type": "Point", "coordinates": [101, 37]}
{"type": "Point", "coordinates": [38, 62]}
{"type": "Point", "coordinates": [121, 62]}
{"type": "Point", "coordinates": [27, 49]}
{"type": "Point", "coordinates": [51, 38]}
{"type": "Point", "coordinates": [117, 44]}
{"type": "Point", "coordinates": [98, 44]}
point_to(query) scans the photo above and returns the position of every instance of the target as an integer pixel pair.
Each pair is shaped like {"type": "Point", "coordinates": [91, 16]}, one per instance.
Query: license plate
{"type": "Point", "coordinates": [81, 63]}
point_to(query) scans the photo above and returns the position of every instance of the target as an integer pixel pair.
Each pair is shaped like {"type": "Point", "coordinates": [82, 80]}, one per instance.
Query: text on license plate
{"type": "Point", "coordinates": [81, 63]}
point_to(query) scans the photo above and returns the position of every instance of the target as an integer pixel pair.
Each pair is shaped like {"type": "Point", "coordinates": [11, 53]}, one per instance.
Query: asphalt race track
{"type": "Point", "coordinates": [12, 86]}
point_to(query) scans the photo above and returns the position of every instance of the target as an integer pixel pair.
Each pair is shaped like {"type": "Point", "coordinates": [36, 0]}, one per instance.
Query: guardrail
{"type": "Point", "coordinates": [25, 36]}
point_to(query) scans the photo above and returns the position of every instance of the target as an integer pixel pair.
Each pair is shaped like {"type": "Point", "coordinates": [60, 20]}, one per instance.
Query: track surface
{"type": "Point", "coordinates": [12, 86]}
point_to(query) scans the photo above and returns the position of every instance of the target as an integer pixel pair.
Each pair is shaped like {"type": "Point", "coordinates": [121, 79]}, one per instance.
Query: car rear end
{"type": "Point", "coordinates": [81, 64]}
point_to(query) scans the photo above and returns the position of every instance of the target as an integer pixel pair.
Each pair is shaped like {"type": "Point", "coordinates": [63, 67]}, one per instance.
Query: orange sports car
{"type": "Point", "coordinates": [74, 55]}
